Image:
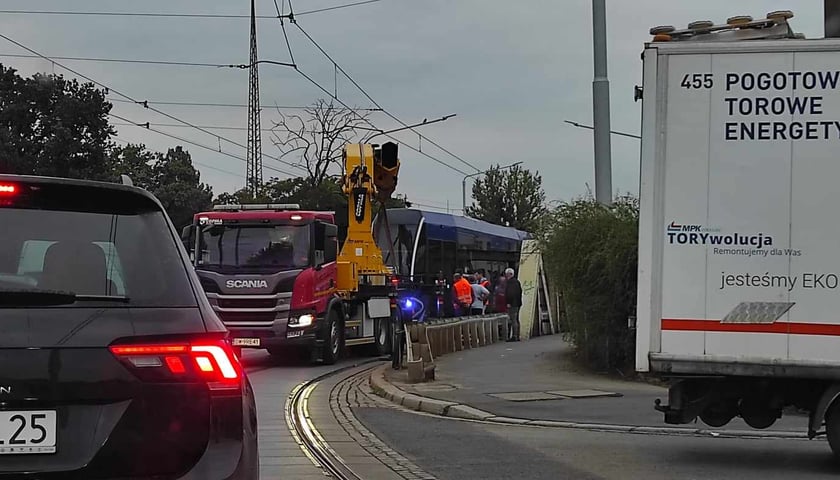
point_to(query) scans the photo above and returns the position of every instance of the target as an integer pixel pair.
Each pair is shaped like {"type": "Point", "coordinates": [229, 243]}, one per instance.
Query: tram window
{"type": "Point", "coordinates": [434, 257]}
{"type": "Point", "coordinates": [449, 260]}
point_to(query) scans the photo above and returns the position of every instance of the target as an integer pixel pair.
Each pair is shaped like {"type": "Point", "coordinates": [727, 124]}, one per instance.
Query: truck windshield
{"type": "Point", "coordinates": [258, 247]}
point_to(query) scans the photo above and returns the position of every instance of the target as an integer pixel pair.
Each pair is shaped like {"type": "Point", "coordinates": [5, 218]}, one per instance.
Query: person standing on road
{"type": "Point", "coordinates": [499, 300]}
{"type": "Point", "coordinates": [480, 295]}
{"type": "Point", "coordinates": [463, 293]}
{"type": "Point", "coordinates": [513, 299]}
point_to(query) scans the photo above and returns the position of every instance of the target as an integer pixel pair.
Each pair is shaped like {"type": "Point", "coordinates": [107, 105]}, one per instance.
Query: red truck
{"type": "Point", "coordinates": [269, 272]}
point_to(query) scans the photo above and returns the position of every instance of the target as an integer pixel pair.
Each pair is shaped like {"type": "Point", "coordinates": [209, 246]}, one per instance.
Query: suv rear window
{"type": "Point", "coordinates": [96, 242]}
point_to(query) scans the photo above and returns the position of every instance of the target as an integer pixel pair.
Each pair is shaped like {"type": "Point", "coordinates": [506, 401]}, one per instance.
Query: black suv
{"type": "Point", "coordinates": [112, 363]}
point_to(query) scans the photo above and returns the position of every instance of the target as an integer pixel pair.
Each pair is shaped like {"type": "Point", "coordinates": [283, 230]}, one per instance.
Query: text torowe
{"type": "Point", "coordinates": [776, 104]}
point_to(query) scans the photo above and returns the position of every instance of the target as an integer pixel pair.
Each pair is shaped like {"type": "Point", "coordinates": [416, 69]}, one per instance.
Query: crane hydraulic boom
{"type": "Point", "coordinates": [371, 174]}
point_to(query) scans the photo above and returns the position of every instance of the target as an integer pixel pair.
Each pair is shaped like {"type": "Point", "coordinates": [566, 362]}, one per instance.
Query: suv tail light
{"type": "Point", "coordinates": [211, 361]}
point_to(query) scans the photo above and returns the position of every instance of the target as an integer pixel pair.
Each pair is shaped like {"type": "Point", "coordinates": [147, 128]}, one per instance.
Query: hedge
{"type": "Point", "coordinates": [591, 256]}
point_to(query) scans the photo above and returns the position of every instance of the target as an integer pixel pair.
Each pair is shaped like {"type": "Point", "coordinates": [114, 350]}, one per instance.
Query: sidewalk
{"type": "Point", "coordinates": [536, 380]}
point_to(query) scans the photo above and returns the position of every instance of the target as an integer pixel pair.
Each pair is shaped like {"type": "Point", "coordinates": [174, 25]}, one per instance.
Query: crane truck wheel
{"type": "Point", "coordinates": [333, 339]}
{"type": "Point", "coordinates": [382, 337]}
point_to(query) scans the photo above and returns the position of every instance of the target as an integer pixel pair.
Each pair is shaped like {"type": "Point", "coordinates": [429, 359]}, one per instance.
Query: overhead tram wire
{"type": "Point", "coordinates": [335, 97]}
{"type": "Point", "coordinates": [193, 161]}
{"type": "Point", "coordinates": [283, 25]}
{"type": "Point", "coordinates": [229, 105]}
{"type": "Point", "coordinates": [430, 157]}
{"type": "Point", "coordinates": [178, 125]}
{"type": "Point", "coordinates": [126, 60]}
{"type": "Point", "coordinates": [176, 15]}
{"type": "Point", "coordinates": [139, 102]}
{"type": "Point", "coordinates": [181, 139]}
{"type": "Point", "coordinates": [371, 99]}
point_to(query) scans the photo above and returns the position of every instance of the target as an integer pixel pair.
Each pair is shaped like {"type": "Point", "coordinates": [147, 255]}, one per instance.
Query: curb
{"type": "Point", "coordinates": [385, 389]}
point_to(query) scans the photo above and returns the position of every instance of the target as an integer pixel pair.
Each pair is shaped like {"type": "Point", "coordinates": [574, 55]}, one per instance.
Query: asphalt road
{"type": "Point", "coordinates": [457, 450]}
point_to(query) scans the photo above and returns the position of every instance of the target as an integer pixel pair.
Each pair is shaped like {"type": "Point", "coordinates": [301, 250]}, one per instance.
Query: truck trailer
{"type": "Point", "coordinates": [739, 271]}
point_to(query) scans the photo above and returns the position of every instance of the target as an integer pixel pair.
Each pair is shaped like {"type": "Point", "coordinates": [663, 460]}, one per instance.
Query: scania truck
{"type": "Point", "coordinates": [279, 280]}
{"type": "Point", "coordinates": [739, 271]}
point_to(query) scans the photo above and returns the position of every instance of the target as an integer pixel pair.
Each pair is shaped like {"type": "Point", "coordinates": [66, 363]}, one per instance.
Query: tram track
{"type": "Point", "coordinates": [306, 434]}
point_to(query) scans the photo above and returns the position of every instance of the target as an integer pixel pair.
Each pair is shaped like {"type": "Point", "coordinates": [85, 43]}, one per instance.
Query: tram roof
{"type": "Point", "coordinates": [443, 226]}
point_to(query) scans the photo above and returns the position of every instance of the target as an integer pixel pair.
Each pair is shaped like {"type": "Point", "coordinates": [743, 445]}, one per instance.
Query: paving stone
{"type": "Point", "coordinates": [525, 396]}
{"type": "Point", "coordinates": [584, 393]}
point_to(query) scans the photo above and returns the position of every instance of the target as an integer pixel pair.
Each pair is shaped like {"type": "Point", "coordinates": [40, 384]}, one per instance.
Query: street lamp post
{"type": "Point", "coordinates": [464, 185]}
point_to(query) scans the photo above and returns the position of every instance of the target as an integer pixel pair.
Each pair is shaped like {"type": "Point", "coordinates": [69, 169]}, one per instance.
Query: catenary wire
{"type": "Point", "coordinates": [227, 105]}
{"type": "Point", "coordinates": [181, 139]}
{"type": "Point", "coordinates": [371, 99]}
{"type": "Point", "coordinates": [205, 165]}
{"type": "Point", "coordinates": [211, 167]}
{"type": "Point", "coordinates": [139, 102]}
{"type": "Point", "coordinates": [283, 25]}
{"type": "Point", "coordinates": [430, 157]}
{"type": "Point", "coordinates": [364, 119]}
{"type": "Point", "coordinates": [175, 15]}
{"type": "Point", "coordinates": [129, 60]}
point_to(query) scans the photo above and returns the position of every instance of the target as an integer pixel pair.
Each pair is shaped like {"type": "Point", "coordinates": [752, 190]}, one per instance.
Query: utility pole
{"type": "Point", "coordinates": [831, 19]}
{"type": "Point", "coordinates": [601, 105]}
{"type": "Point", "coordinates": [253, 169]}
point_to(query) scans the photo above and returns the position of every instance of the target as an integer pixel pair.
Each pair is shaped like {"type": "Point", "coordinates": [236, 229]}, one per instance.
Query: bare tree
{"type": "Point", "coordinates": [318, 136]}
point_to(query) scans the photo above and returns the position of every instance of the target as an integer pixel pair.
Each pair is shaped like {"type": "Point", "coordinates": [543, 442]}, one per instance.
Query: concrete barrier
{"type": "Point", "coordinates": [449, 335]}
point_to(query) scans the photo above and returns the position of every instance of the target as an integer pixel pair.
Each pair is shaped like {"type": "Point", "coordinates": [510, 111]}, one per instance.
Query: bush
{"type": "Point", "coordinates": [591, 256]}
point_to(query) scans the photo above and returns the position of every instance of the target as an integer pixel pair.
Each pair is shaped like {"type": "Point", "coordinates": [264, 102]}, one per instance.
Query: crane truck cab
{"type": "Point", "coordinates": [268, 271]}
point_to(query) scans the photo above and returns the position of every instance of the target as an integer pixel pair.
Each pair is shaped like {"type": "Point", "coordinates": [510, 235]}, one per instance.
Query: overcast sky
{"type": "Point", "coordinates": [511, 71]}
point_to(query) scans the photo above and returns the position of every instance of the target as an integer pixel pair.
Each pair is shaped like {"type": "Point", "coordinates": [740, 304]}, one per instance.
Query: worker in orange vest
{"type": "Point", "coordinates": [463, 293]}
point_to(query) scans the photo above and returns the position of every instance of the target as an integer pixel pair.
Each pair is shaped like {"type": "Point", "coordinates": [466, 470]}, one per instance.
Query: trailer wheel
{"type": "Point", "coordinates": [333, 339]}
{"type": "Point", "coordinates": [719, 414]}
{"type": "Point", "coordinates": [757, 413]}
{"type": "Point", "coordinates": [832, 429]}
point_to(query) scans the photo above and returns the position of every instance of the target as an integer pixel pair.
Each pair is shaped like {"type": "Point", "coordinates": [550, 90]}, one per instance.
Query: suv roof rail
{"type": "Point", "coordinates": [257, 206]}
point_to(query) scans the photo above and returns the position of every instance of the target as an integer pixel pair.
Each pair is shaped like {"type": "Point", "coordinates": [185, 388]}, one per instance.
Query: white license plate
{"type": "Point", "coordinates": [27, 432]}
{"type": "Point", "coordinates": [246, 342]}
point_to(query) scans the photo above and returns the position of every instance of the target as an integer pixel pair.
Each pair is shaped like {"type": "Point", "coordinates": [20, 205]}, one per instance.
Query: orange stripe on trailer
{"type": "Point", "coordinates": [696, 325]}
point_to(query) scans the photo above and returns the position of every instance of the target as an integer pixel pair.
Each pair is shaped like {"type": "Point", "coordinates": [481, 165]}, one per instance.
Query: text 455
{"type": "Point", "coordinates": [697, 80]}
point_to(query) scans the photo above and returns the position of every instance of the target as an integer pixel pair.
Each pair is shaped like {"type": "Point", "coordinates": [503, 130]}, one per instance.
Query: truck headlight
{"type": "Point", "coordinates": [301, 321]}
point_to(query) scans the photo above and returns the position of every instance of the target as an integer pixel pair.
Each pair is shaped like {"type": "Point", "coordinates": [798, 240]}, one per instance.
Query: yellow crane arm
{"type": "Point", "coordinates": [371, 174]}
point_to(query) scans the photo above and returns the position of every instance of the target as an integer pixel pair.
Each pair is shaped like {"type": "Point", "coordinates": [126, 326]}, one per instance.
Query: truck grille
{"type": "Point", "coordinates": [250, 317]}
{"type": "Point", "coordinates": [254, 303]}
{"type": "Point", "coordinates": [250, 310]}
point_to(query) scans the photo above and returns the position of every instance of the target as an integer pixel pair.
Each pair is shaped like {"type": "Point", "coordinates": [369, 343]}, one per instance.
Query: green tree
{"type": "Point", "coordinates": [179, 187]}
{"type": "Point", "coordinates": [513, 197]}
{"type": "Point", "coordinates": [324, 196]}
{"type": "Point", "coordinates": [171, 177]}
{"type": "Point", "coordinates": [54, 127]}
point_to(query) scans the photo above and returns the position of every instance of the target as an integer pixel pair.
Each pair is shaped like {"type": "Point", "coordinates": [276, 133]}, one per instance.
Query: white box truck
{"type": "Point", "coordinates": [739, 231]}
